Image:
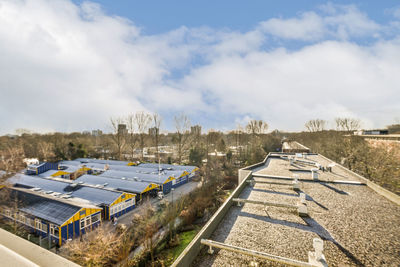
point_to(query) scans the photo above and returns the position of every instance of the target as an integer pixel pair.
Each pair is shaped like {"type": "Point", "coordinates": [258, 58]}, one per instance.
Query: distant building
{"type": "Point", "coordinates": [86, 132]}
{"type": "Point", "coordinates": [195, 130]}
{"type": "Point", "coordinates": [97, 132]}
{"type": "Point", "coordinates": [371, 132]}
{"type": "Point", "coordinates": [154, 131]}
{"type": "Point", "coordinates": [122, 129]}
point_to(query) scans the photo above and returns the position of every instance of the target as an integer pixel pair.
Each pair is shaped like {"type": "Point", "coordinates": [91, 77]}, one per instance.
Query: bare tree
{"type": "Point", "coordinates": [256, 127]}
{"type": "Point", "coordinates": [182, 125]}
{"type": "Point", "coordinates": [11, 161]}
{"type": "Point", "coordinates": [143, 121]}
{"type": "Point", "coordinates": [347, 124]}
{"type": "Point", "coordinates": [316, 125]}
{"type": "Point", "coordinates": [46, 151]}
{"type": "Point", "coordinates": [119, 135]}
{"type": "Point", "coordinates": [131, 138]}
{"type": "Point", "coordinates": [156, 133]}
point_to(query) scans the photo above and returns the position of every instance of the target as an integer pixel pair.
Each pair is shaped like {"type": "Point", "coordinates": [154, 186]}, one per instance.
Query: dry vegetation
{"type": "Point", "coordinates": [379, 163]}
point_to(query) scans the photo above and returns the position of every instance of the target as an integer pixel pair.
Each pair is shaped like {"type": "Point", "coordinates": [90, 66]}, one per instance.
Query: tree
{"type": "Point", "coordinates": [182, 125]}
{"type": "Point", "coordinates": [316, 125]}
{"type": "Point", "coordinates": [347, 124]}
{"type": "Point", "coordinates": [131, 125]}
{"type": "Point", "coordinates": [196, 155]}
{"type": "Point", "coordinates": [256, 127]}
{"type": "Point", "coordinates": [221, 146]}
{"type": "Point", "coordinates": [156, 134]}
{"type": "Point", "coordinates": [119, 135]}
{"type": "Point", "coordinates": [143, 121]}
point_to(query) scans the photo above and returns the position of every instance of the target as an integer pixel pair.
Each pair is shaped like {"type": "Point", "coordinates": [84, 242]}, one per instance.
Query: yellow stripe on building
{"type": "Point", "coordinates": [150, 187]}
{"type": "Point", "coordinates": [59, 173]}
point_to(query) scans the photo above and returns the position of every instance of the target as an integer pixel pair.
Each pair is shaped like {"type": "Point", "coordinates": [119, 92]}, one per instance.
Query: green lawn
{"type": "Point", "coordinates": [170, 254]}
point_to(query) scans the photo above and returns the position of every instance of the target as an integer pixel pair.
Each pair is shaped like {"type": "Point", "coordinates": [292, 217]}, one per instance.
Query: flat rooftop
{"type": "Point", "coordinates": [358, 226]}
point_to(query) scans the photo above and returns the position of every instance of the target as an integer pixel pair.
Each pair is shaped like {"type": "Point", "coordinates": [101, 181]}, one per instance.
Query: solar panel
{"type": "Point", "coordinates": [96, 196]}
{"type": "Point", "coordinates": [119, 184]}
{"type": "Point", "coordinates": [50, 210]}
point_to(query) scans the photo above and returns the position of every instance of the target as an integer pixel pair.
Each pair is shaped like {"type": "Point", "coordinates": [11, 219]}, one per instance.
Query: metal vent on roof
{"type": "Point", "coordinates": [36, 189]}
{"type": "Point", "coordinates": [123, 178]}
{"type": "Point", "coordinates": [80, 182]}
{"type": "Point", "coordinates": [49, 192]}
{"type": "Point", "coordinates": [105, 184]}
{"type": "Point", "coordinates": [74, 185]}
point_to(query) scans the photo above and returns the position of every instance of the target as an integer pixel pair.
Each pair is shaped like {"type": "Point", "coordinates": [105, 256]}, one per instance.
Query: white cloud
{"type": "Point", "coordinates": [67, 67]}
{"type": "Point", "coordinates": [335, 21]}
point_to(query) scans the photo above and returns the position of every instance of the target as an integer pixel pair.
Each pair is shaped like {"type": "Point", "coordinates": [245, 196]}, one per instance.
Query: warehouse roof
{"type": "Point", "coordinates": [48, 173]}
{"type": "Point", "coordinates": [103, 161]}
{"type": "Point", "coordinates": [358, 226]}
{"type": "Point", "coordinates": [129, 186]}
{"type": "Point", "coordinates": [51, 210]}
{"type": "Point", "coordinates": [170, 167]}
{"type": "Point", "coordinates": [114, 163]}
{"type": "Point", "coordinates": [96, 196]}
{"type": "Point", "coordinates": [153, 178]}
{"type": "Point", "coordinates": [121, 167]}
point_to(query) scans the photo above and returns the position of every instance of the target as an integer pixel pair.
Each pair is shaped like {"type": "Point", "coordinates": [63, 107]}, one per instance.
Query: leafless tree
{"type": "Point", "coordinates": [11, 161]}
{"type": "Point", "coordinates": [182, 125]}
{"type": "Point", "coordinates": [347, 124]}
{"type": "Point", "coordinates": [316, 125]}
{"type": "Point", "coordinates": [131, 138]}
{"type": "Point", "coordinates": [118, 136]}
{"type": "Point", "coordinates": [46, 151]}
{"type": "Point", "coordinates": [143, 121]}
{"type": "Point", "coordinates": [256, 127]}
{"type": "Point", "coordinates": [156, 134]}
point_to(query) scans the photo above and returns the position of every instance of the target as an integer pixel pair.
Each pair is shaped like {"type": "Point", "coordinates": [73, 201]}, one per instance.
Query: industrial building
{"type": "Point", "coordinates": [164, 181]}
{"type": "Point", "coordinates": [141, 189]}
{"type": "Point", "coordinates": [61, 201]}
{"type": "Point", "coordinates": [300, 209]}
{"type": "Point", "coordinates": [50, 217]}
{"type": "Point", "coordinates": [113, 203]}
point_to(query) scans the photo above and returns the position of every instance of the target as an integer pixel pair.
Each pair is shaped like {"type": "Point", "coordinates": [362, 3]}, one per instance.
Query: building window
{"type": "Point", "coordinates": [82, 223]}
{"type": "Point", "coordinates": [52, 229]}
{"type": "Point", "coordinates": [38, 224]}
{"type": "Point", "coordinates": [96, 218]}
{"type": "Point", "coordinates": [88, 221]}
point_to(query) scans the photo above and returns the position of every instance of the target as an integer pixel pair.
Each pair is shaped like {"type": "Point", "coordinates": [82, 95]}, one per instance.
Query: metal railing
{"type": "Point", "coordinates": [253, 253]}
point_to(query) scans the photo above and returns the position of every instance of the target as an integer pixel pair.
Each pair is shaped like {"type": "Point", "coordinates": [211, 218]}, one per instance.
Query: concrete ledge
{"type": "Point", "coordinates": [377, 188]}
{"type": "Point", "coordinates": [20, 252]}
{"type": "Point", "coordinates": [191, 251]}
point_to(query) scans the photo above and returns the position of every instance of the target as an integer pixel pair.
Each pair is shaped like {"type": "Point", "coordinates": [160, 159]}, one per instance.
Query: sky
{"type": "Point", "coordinates": [72, 65]}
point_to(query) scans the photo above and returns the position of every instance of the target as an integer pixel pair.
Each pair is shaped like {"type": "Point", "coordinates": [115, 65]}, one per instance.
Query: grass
{"type": "Point", "coordinates": [170, 254]}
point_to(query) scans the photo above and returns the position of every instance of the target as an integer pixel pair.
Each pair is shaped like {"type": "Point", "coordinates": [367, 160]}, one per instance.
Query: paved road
{"type": "Point", "coordinates": [176, 194]}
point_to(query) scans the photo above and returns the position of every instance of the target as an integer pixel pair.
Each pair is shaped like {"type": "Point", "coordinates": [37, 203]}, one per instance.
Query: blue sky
{"type": "Point", "coordinates": [71, 65]}
{"type": "Point", "coordinates": [156, 17]}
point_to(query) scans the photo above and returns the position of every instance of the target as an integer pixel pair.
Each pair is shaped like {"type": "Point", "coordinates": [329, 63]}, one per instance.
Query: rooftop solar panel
{"type": "Point", "coordinates": [96, 196]}
{"type": "Point", "coordinates": [119, 184]}
{"type": "Point", "coordinates": [50, 210]}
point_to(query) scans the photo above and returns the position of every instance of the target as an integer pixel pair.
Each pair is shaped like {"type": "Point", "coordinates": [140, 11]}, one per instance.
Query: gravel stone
{"type": "Point", "coordinates": [358, 226]}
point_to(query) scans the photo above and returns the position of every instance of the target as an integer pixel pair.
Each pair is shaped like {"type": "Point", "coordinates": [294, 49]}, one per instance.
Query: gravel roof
{"type": "Point", "coordinates": [358, 226]}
